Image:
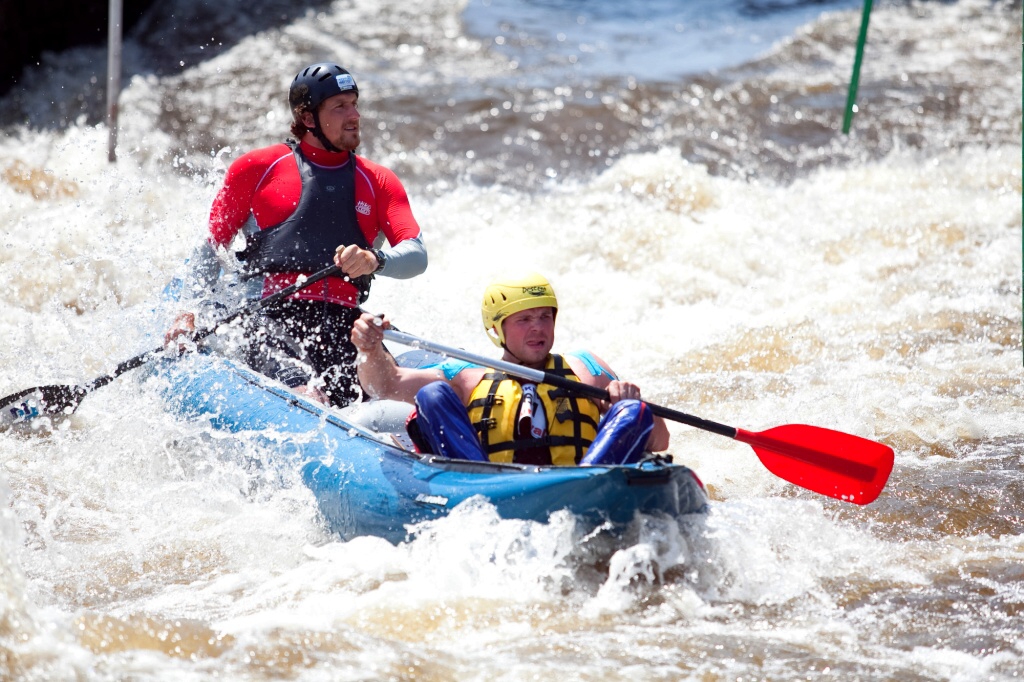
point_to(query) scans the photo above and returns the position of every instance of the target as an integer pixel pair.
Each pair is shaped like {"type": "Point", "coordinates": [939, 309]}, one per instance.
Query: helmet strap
{"type": "Point", "coordinates": [505, 348]}
{"type": "Point", "coordinates": [318, 133]}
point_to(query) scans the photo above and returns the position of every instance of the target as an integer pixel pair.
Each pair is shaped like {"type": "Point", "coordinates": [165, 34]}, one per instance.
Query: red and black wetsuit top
{"type": "Point", "coordinates": [267, 185]}
{"type": "Point", "coordinates": [325, 217]}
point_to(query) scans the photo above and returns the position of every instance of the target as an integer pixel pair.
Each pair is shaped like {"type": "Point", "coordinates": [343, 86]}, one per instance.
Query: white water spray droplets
{"type": "Point", "coordinates": [879, 295]}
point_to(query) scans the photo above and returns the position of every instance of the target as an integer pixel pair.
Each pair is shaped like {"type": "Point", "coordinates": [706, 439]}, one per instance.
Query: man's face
{"type": "Point", "coordinates": [530, 334]}
{"type": "Point", "coordinates": [339, 119]}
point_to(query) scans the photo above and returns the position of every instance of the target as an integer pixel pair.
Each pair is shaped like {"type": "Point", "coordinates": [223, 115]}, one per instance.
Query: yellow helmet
{"type": "Point", "coordinates": [504, 297]}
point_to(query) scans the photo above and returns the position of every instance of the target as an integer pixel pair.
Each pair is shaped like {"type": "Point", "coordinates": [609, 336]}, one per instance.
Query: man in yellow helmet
{"type": "Point", "coordinates": [471, 412]}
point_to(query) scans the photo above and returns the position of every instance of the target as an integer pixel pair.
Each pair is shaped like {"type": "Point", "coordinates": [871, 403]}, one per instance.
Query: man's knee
{"type": "Point", "coordinates": [437, 395]}
{"type": "Point", "coordinates": [444, 425]}
{"type": "Point", "coordinates": [622, 434]}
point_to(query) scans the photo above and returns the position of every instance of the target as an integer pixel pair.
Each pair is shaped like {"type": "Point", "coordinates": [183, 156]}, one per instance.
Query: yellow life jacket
{"type": "Point", "coordinates": [571, 420]}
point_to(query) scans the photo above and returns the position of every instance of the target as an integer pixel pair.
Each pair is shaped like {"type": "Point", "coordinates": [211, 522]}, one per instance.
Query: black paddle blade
{"type": "Point", "coordinates": [51, 401]}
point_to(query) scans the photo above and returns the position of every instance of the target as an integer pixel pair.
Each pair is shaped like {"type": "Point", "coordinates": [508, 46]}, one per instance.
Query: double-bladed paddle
{"type": "Point", "coordinates": [833, 463]}
{"type": "Point", "coordinates": [62, 399]}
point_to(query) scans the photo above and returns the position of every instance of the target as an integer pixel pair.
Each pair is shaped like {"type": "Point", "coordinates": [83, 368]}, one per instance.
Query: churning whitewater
{"type": "Point", "coordinates": [681, 177]}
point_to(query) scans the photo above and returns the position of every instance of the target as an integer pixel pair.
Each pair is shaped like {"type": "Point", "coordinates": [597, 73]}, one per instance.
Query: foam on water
{"type": "Point", "coordinates": [879, 296]}
{"type": "Point", "coordinates": [767, 304]}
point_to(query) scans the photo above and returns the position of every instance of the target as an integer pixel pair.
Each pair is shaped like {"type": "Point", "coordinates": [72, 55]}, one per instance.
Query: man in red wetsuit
{"type": "Point", "coordinates": [300, 205]}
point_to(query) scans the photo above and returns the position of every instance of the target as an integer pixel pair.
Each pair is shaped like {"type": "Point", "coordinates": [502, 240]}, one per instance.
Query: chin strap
{"type": "Point", "coordinates": [318, 133]}
{"type": "Point", "coordinates": [505, 348]}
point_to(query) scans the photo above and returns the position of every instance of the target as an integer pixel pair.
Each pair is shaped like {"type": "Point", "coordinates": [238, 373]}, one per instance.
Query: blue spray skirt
{"type": "Point", "coordinates": [366, 483]}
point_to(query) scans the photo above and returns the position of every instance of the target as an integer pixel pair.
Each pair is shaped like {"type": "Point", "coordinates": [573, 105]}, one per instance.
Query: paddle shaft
{"type": "Point", "coordinates": [74, 394]}
{"type": "Point", "coordinates": [829, 462]}
{"type": "Point", "coordinates": [541, 377]}
{"type": "Point", "coordinates": [201, 334]}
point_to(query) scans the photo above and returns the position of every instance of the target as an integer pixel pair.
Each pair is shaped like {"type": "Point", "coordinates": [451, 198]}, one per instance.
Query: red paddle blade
{"type": "Point", "coordinates": [840, 465]}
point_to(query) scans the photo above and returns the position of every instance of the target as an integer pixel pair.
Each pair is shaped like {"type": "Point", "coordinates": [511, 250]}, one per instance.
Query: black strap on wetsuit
{"type": "Point", "coordinates": [324, 219]}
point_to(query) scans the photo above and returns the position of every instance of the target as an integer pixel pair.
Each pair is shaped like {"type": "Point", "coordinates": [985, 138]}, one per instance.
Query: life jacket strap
{"type": "Point", "coordinates": [547, 441]}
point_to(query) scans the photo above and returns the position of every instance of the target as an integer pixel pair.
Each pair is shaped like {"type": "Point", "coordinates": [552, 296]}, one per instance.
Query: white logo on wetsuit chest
{"type": "Point", "coordinates": [362, 207]}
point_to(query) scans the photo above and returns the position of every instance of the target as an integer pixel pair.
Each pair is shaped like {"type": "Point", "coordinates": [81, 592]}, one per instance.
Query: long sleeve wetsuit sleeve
{"type": "Point", "coordinates": [405, 259]}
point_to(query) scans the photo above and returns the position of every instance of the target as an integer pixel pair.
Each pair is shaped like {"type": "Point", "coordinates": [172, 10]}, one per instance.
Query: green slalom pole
{"type": "Point", "coordinates": [855, 80]}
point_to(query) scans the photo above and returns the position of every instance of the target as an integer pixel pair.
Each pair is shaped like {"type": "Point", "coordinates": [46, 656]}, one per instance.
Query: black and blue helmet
{"type": "Point", "coordinates": [312, 86]}
{"type": "Point", "coordinates": [317, 82]}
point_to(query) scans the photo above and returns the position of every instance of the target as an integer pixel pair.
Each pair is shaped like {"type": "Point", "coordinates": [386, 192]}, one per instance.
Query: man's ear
{"type": "Point", "coordinates": [307, 120]}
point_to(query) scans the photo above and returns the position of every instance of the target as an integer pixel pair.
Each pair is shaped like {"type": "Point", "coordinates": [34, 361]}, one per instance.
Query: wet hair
{"type": "Point", "coordinates": [298, 128]}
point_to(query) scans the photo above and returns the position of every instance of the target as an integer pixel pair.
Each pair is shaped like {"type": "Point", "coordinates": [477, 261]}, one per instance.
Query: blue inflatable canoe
{"type": "Point", "coordinates": [367, 483]}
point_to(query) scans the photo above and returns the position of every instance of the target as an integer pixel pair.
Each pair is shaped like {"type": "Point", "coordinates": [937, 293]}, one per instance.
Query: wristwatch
{"type": "Point", "coordinates": [380, 260]}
